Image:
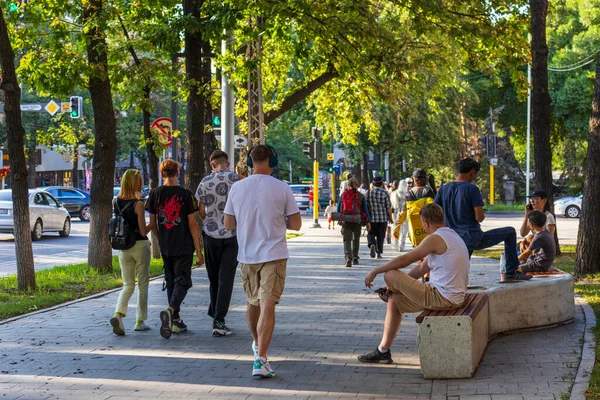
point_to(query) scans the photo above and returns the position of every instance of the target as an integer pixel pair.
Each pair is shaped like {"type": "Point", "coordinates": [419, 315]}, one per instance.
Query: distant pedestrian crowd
{"type": "Point", "coordinates": [245, 221]}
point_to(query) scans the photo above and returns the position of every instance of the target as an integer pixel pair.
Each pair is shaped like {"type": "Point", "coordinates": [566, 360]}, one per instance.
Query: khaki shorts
{"type": "Point", "coordinates": [411, 295]}
{"type": "Point", "coordinates": [264, 281]}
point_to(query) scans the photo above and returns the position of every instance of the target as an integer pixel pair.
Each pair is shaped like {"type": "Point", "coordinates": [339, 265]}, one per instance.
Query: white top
{"type": "Point", "coordinates": [330, 210]}
{"type": "Point", "coordinates": [260, 204]}
{"type": "Point", "coordinates": [450, 271]}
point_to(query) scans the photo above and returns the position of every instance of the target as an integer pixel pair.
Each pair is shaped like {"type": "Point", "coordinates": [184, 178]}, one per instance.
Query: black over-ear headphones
{"type": "Point", "coordinates": [273, 160]}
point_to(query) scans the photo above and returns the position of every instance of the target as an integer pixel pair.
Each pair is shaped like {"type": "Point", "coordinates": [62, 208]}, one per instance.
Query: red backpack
{"type": "Point", "coordinates": [351, 205]}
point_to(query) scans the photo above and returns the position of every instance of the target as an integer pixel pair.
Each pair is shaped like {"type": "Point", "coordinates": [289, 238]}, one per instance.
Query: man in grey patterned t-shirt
{"type": "Point", "coordinates": [220, 244]}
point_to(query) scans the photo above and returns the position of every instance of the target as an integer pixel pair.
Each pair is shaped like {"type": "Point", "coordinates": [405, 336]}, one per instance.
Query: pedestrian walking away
{"type": "Point", "coordinates": [463, 209]}
{"type": "Point", "coordinates": [220, 244]}
{"type": "Point", "coordinates": [135, 261]}
{"type": "Point", "coordinates": [172, 211]}
{"type": "Point", "coordinates": [354, 213]}
{"type": "Point", "coordinates": [398, 199]}
{"type": "Point", "coordinates": [444, 256]}
{"type": "Point", "coordinates": [261, 208]}
{"type": "Point", "coordinates": [331, 208]}
{"type": "Point", "coordinates": [380, 213]}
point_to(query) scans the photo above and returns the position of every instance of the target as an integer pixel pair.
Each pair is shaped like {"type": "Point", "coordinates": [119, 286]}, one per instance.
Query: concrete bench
{"type": "Point", "coordinates": [452, 342]}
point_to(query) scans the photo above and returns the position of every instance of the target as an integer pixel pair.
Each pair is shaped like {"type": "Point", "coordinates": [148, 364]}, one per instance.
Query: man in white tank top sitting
{"type": "Point", "coordinates": [446, 258]}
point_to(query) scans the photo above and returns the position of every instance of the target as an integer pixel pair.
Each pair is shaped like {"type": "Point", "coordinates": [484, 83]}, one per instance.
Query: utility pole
{"type": "Point", "coordinates": [174, 111]}
{"type": "Point", "coordinates": [528, 167]}
{"type": "Point", "coordinates": [227, 100]}
{"type": "Point", "coordinates": [317, 156]}
{"type": "Point", "coordinates": [492, 158]}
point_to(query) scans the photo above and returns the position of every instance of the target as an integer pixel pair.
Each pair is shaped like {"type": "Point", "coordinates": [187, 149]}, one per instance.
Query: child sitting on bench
{"type": "Point", "coordinates": [539, 256]}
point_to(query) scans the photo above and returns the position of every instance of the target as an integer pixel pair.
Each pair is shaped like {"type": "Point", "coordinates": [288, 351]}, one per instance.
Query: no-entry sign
{"type": "Point", "coordinates": [165, 127]}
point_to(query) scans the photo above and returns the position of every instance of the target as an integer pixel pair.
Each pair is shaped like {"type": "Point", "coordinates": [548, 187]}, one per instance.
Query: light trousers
{"type": "Point", "coordinates": [135, 263]}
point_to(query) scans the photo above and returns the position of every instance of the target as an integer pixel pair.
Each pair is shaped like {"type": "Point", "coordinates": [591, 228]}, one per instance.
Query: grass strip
{"type": "Point", "coordinates": [292, 235]}
{"type": "Point", "coordinates": [588, 288]}
{"type": "Point", "coordinates": [61, 284]}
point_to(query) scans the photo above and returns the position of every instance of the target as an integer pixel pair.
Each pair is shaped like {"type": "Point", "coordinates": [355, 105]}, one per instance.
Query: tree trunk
{"type": "Point", "coordinates": [144, 159]}
{"type": "Point", "coordinates": [75, 166]}
{"type": "Point", "coordinates": [541, 99]}
{"type": "Point", "coordinates": [198, 106]}
{"type": "Point", "coordinates": [105, 147]}
{"type": "Point", "coordinates": [31, 174]}
{"type": "Point", "coordinates": [587, 258]}
{"type": "Point", "coordinates": [541, 103]}
{"type": "Point", "coordinates": [15, 135]}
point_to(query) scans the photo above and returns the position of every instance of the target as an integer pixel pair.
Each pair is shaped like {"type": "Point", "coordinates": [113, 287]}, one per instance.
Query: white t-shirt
{"type": "Point", "coordinates": [260, 205]}
{"type": "Point", "coordinates": [450, 271]}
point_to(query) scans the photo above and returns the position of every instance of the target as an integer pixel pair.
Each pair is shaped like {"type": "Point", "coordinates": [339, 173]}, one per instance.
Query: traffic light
{"type": "Point", "coordinates": [309, 149]}
{"type": "Point", "coordinates": [76, 106]}
{"type": "Point", "coordinates": [483, 141]}
{"type": "Point", "coordinates": [318, 150]}
{"type": "Point", "coordinates": [330, 169]}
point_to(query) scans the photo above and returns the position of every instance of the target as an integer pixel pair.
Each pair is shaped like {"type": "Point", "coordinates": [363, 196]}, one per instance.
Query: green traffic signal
{"type": "Point", "coordinates": [74, 114]}
{"type": "Point", "coordinates": [13, 7]}
{"type": "Point", "coordinates": [216, 121]}
{"type": "Point", "coordinates": [330, 170]}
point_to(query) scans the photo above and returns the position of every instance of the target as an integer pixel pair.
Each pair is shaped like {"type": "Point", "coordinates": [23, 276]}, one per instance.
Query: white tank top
{"type": "Point", "coordinates": [450, 271]}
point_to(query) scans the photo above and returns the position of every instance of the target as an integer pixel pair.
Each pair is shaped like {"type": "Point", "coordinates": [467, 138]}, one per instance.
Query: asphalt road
{"type": "Point", "coordinates": [53, 250]}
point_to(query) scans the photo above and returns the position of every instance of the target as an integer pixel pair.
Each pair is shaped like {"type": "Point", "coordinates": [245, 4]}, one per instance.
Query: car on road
{"type": "Point", "coordinates": [301, 195]}
{"type": "Point", "coordinates": [45, 214]}
{"type": "Point", "coordinates": [570, 206]}
{"type": "Point", "coordinates": [76, 201]}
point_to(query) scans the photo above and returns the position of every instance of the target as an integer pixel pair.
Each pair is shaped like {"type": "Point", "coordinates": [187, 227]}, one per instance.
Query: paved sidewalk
{"type": "Point", "coordinates": [326, 318]}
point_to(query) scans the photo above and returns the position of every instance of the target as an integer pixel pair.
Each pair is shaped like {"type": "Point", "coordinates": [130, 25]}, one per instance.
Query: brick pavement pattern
{"type": "Point", "coordinates": [326, 318]}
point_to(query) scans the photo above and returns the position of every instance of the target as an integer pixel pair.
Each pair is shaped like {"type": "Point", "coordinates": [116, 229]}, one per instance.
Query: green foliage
{"type": "Point", "coordinates": [61, 284]}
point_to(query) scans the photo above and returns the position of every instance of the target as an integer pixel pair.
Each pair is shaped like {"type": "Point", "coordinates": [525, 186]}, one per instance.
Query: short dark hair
{"type": "Point", "coordinates": [219, 157]}
{"type": "Point", "coordinates": [537, 218]}
{"type": "Point", "coordinates": [260, 153]}
{"type": "Point", "coordinates": [467, 165]}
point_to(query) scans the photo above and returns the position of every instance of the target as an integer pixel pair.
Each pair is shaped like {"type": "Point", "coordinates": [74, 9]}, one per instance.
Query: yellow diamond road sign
{"type": "Point", "coordinates": [330, 157]}
{"type": "Point", "coordinates": [52, 107]}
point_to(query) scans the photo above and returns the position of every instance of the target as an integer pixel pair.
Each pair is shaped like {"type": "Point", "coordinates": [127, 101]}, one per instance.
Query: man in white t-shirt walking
{"type": "Point", "coordinates": [261, 208]}
{"type": "Point", "coordinates": [446, 258]}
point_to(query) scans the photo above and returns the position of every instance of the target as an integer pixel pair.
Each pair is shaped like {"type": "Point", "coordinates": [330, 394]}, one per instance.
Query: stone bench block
{"type": "Point", "coordinates": [451, 346]}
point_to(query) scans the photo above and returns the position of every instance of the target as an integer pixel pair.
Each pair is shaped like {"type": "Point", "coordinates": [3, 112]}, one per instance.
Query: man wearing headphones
{"type": "Point", "coordinates": [261, 208]}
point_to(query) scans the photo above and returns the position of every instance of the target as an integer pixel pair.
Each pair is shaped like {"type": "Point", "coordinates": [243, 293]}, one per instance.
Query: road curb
{"type": "Point", "coordinates": [69, 303]}
{"type": "Point", "coordinates": [588, 352]}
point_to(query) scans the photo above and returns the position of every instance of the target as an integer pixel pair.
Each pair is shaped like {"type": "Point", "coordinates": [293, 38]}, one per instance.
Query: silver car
{"type": "Point", "coordinates": [570, 207]}
{"type": "Point", "coordinates": [45, 214]}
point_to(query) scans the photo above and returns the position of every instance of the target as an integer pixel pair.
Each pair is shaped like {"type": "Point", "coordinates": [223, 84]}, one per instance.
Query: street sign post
{"type": "Point", "coordinates": [239, 142]}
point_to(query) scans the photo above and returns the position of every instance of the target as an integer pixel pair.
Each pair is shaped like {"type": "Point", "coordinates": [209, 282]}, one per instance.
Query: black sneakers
{"type": "Point", "coordinates": [166, 323]}
{"type": "Point", "coordinates": [178, 326]}
{"type": "Point", "coordinates": [355, 261]}
{"type": "Point", "coordinates": [220, 329]}
{"type": "Point", "coordinates": [516, 276]}
{"type": "Point", "coordinates": [348, 263]}
{"type": "Point", "coordinates": [377, 357]}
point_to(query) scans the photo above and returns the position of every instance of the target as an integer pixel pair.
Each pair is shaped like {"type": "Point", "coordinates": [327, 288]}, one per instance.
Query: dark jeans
{"type": "Point", "coordinates": [376, 235]}
{"type": "Point", "coordinates": [221, 263]}
{"type": "Point", "coordinates": [508, 235]}
{"type": "Point", "coordinates": [178, 277]}
{"type": "Point", "coordinates": [351, 237]}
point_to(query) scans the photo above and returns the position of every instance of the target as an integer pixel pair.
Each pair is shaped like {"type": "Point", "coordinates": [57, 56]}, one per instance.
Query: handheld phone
{"type": "Point", "coordinates": [529, 207]}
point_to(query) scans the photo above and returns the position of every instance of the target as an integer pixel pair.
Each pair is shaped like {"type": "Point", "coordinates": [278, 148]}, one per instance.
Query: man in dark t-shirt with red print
{"type": "Point", "coordinates": [173, 209]}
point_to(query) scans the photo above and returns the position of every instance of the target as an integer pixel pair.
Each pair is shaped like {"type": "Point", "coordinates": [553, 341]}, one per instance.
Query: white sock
{"type": "Point", "coordinates": [263, 359]}
{"type": "Point", "coordinates": [382, 350]}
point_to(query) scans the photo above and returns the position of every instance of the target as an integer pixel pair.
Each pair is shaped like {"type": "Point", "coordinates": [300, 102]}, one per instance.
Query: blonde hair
{"type": "Point", "coordinates": [433, 214]}
{"type": "Point", "coordinates": [131, 185]}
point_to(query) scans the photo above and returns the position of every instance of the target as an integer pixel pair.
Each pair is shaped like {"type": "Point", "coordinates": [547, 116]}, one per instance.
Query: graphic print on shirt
{"type": "Point", "coordinates": [169, 212]}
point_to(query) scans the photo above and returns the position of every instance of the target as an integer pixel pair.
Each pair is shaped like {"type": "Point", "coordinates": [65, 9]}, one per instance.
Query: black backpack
{"type": "Point", "coordinates": [122, 237]}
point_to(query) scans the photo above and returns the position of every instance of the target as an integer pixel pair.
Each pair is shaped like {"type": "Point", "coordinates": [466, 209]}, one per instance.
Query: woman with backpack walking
{"type": "Point", "coordinates": [354, 213]}
{"type": "Point", "coordinates": [134, 261]}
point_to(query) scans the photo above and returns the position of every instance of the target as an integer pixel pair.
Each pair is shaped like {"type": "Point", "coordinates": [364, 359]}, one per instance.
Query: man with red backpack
{"type": "Point", "coordinates": [354, 213]}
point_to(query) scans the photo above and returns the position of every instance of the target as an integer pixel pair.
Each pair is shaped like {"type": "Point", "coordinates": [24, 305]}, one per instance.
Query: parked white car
{"type": "Point", "coordinates": [45, 214]}
{"type": "Point", "coordinates": [570, 207]}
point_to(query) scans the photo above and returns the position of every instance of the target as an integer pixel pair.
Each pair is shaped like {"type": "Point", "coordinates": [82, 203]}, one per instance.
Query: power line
{"type": "Point", "coordinates": [571, 67]}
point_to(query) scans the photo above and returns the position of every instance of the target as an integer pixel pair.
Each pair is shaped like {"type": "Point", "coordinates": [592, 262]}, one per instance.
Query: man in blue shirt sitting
{"type": "Point", "coordinates": [463, 210]}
